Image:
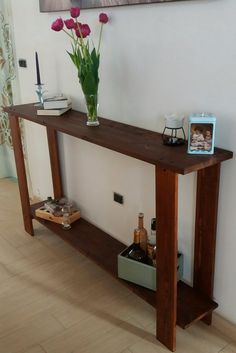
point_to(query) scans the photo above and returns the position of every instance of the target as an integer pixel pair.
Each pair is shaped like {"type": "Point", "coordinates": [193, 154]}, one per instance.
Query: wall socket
{"type": "Point", "coordinates": [118, 198]}
{"type": "Point", "coordinates": [22, 63]}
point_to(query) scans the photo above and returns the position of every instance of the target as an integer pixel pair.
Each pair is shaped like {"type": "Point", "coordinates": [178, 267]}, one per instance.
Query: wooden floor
{"type": "Point", "coordinates": [54, 300]}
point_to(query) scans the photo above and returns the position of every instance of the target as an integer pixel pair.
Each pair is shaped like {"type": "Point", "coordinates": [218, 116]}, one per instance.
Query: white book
{"type": "Point", "coordinates": [56, 102]}
{"type": "Point", "coordinates": [53, 112]}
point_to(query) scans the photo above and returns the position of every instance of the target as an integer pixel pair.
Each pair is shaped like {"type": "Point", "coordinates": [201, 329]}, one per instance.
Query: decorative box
{"type": "Point", "coordinates": [201, 135]}
{"type": "Point", "coordinates": [43, 213]}
{"type": "Point", "coordinates": [142, 274]}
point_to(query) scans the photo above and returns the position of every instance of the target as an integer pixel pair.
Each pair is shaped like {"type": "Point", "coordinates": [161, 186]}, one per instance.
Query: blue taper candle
{"type": "Point", "coordinates": [37, 69]}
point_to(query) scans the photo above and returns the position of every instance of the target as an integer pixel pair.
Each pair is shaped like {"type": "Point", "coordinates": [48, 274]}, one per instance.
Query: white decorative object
{"type": "Point", "coordinates": [201, 135]}
{"type": "Point", "coordinates": [174, 123]}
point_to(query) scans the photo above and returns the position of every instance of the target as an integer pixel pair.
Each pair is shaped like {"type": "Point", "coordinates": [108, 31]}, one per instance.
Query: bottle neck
{"type": "Point", "coordinates": [153, 232]}
{"type": "Point", "coordinates": [153, 227]}
{"type": "Point", "coordinates": [140, 221]}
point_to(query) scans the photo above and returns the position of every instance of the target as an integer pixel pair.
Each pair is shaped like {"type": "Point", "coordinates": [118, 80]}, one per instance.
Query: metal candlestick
{"type": "Point", "coordinates": [40, 93]}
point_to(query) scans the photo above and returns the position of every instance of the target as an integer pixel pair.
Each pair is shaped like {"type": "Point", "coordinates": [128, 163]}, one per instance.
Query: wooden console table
{"type": "Point", "coordinates": [181, 304]}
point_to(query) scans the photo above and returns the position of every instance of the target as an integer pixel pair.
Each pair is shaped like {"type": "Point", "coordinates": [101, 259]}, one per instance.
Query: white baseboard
{"type": "Point", "coordinates": [224, 326]}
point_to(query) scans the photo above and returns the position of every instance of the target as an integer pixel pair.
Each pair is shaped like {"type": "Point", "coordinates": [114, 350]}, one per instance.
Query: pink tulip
{"type": "Point", "coordinates": [84, 30]}
{"type": "Point", "coordinates": [57, 25]}
{"type": "Point", "coordinates": [75, 12]}
{"type": "Point", "coordinates": [103, 18]}
{"type": "Point", "coordinates": [70, 23]}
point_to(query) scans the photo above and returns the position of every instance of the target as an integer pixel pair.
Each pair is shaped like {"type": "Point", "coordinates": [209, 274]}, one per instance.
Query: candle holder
{"type": "Point", "coordinates": [174, 124]}
{"type": "Point", "coordinates": [40, 92]}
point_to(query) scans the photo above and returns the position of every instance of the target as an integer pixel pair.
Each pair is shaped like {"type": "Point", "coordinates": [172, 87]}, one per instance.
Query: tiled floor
{"type": "Point", "coordinates": [54, 300]}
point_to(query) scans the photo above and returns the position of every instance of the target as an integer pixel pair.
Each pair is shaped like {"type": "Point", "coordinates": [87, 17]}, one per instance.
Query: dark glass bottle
{"type": "Point", "coordinates": [136, 253]}
{"type": "Point", "coordinates": [142, 233]}
{"type": "Point", "coordinates": [151, 241]}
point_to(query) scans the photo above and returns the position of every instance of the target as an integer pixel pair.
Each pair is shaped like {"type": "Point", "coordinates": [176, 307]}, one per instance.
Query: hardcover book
{"type": "Point", "coordinates": [54, 112]}
{"type": "Point", "coordinates": [56, 102]}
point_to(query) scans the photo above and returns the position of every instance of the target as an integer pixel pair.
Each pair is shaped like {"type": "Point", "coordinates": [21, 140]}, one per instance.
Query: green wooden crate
{"type": "Point", "coordinates": [142, 274]}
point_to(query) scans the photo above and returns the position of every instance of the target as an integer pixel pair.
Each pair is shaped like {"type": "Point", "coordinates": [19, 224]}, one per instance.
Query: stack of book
{"type": "Point", "coordinates": [56, 106]}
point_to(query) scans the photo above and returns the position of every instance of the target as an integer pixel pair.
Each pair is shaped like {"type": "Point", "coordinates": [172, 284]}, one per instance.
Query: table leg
{"type": "Point", "coordinates": [205, 231]}
{"type": "Point", "coordinates": [21, 173]}
{"type": "Point", "coordinates": [167, 220]}
{"type": "Point", "coordinates": [55, 162]}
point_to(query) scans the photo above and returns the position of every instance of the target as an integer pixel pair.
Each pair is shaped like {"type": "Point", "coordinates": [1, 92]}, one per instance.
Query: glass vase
{"type": "Point", "coordinates": [92, 109]}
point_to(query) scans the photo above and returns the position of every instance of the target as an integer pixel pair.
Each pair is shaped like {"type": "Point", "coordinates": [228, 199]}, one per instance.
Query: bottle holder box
{"type": "Point", "coordinates": [142, 274]}
{"type": "Point", "coordinates": [43, 213]}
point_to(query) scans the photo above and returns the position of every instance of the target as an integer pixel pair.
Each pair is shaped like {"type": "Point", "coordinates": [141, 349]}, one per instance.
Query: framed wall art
{"type": "Point", "coordinates": [61, 5]}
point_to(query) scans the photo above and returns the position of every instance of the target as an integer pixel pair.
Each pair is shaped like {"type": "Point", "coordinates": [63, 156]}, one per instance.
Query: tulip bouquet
{"type": "Point", "coordinates": [85, 59]}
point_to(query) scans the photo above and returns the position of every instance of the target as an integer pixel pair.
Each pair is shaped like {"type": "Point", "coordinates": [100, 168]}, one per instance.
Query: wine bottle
{"type": "Point", "coordinates": [151, 241]}
{"type": "Point", "coordinates": [136, 253]}
{"type": "Point", "coordinates": [142, 233]}
{"type": "Point", "coordinates": [154, 256]}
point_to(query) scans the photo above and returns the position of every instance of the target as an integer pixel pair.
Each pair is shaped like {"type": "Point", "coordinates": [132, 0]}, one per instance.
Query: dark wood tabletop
{"type": "Point", "coordinates": [132, 141]}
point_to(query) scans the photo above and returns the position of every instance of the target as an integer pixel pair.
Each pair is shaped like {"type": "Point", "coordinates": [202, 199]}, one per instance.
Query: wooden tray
{"type": "Point", "coordinates": [44, 214]}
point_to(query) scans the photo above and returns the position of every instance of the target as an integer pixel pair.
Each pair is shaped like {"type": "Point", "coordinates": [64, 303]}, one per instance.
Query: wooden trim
{"type": "Point", "coordinates": [167, 216]}
{"type": "Point", "coordinates": [205, 231]}
{"type": "Point", "coordinates": [55, 162]}
{"type": "Point", "coordinates": [21, 173]}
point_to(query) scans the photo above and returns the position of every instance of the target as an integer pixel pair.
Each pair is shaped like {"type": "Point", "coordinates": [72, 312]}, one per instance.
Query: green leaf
{"type": "Point", "coordinates": [87, 65]}
{"type": "Point", "coordinates": [89, 85]}
{"type": "Point", "coordinates": [72, 56]}
{"type": "Point", "coordinates": [95, 61]}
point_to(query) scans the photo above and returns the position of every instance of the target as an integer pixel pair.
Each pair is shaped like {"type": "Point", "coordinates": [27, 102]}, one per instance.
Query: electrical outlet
{"type": "Point", "coordinates": [22, 63]}
{"type": "Point", "coordinates": [118, 198]}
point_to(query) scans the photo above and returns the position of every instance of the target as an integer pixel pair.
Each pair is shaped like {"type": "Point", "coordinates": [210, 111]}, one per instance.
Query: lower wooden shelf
{"type": "Point", "coordinates": [103, 250]}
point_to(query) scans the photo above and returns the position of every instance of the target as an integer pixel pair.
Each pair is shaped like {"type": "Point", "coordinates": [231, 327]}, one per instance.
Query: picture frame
{"type": "Point", "coordinates": [201, 133]}
{"type": "Point", "coordinates": [62, 5]}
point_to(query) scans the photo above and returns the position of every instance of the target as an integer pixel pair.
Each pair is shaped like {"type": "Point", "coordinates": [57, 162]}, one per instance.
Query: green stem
{"type": "Point", "coordinates": [72, 34]}
{"type": "Point", "coordinates": [100, 37]}
{"type": "Point", "coordinates": [68, 34]}
{"type": "Point", "coordinates": [81, 39]}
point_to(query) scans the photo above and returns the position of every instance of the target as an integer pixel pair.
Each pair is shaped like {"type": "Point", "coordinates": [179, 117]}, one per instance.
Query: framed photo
{"type": "Point", "coordinates": [201, 137]}
{"type": "Point", "coordinates": [60, 5]}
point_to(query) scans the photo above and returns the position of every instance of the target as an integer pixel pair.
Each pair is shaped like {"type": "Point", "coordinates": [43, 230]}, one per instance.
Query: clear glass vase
{"type": "Point", "coordinates": [92, 109]}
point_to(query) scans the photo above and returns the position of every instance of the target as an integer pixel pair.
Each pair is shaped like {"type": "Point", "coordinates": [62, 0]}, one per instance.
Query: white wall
{"type": "Point", "coordinates": [173, 57]}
